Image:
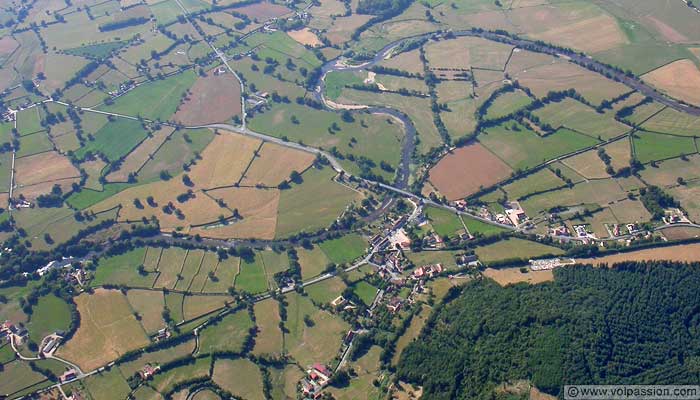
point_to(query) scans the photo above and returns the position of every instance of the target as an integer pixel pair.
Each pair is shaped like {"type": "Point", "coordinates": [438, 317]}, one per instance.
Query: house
{"type": "Point", "coordinates": [465, 259]}
{"type": "Point", "coordinates": [561, 230]}
{"type": "Point", "coordinates": [68, 375]}
{"type": "Point", "coordinates": [338, 301]}
{"type": "Point", "coordinates": [163, 334]}
{"type": "Point", "coordinates": [394, 305]}
{"type": "Point", "coordinates": [516, 216]}
{"type": "Point", "coordinates": [148, 371]}
{"type": "Point", "coordinates": [433, 241]}
{"type": "Point", "coordinates": [427, 271]}
{"type": "Point", "coordinates": [461, 205]}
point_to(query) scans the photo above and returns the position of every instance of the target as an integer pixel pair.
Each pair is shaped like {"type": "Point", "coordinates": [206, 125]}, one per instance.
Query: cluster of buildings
{"type": "Point", "coordinates": [427, 271]}
{"type": "Point", "coordinates": [317, 378]}
{"type": "Point", "coordinates": [675, 216]}
{"type": "Point", "coordinates": [550, 263]}
{"type": "Point", "coordinates": [14, 333]}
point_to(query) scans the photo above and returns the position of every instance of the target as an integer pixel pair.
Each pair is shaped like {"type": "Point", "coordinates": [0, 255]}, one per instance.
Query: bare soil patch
{"type": "Point", "coordinates": [680, 79]}
{"type": "Point", "coordinates": [465, 170]}
{"type": "Point", "coordinates": [213, 98]}
{"type": "Point", "coordinates": [509, 276]}
{"type": "Point", "coordinates": [264, 10]}
{"type": "Point", "coordinates": [305, 37]}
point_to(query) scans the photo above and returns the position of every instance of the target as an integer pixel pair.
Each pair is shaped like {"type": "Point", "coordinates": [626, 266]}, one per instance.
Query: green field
{"type": "Point", "coordinates": [252, 278]}
{"type": "Point", "coordinates": [522, 148]}
{"type": "Point", "coordinates": [336, 82]}
{"type": "Point", "coordinates": [33, 144]}
{"type": "Point", "coordinates": [312, 205]}
{"type": "Point", "coordinates": [115, 140]}
{"type": "Point", "coordinates": [364, 291]}
{"type": "Point", "coordinates": [325, 291]}
{"type": "Point", "coordinates": [109, 384]}
{"type": "Point", "coordinates": [373, 136]}
{"type": "Point", "coordinates": [122, 270]}
{"type": "Point", "coordinates": [228, 334]}
{"type": "Point", "coordinates": [88, 197]}
{"type": "Point", "coordinates": [155, 100]}
{"type": "Point", "coordinates": [445, 223]}
{"type": "Point", "coordinates": [49, 315]}
{"type": "Point", "coordinates": [651, 146]}
{"type": "Point", "coordinates": [100, 50]}
{"type": "Point", "coordinates": [344, 249]}
{"type": "Point", "coordinates": [507, 103]}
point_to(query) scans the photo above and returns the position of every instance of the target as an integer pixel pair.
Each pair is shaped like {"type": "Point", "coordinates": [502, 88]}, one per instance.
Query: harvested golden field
{"type": "Point", "coordinates": [37, 174]}
{"type": "Point", "coordinates": [213, 98]}
{"type": "Point", "coordinates": [466, 52]}
{"type": "Point", "coordinates": [509, 276]}
{"type": "Point", "coordinates": [258, 207]}
{"type": "Point", "coordinates": [224, 160]}
{"type": "Point", "coordinates": [590, 35]}
{"type": "Point", "coordinates": [681, 253]}
{"type": "Point", "coordinates": [466, 169]}
{"type": "Point", "coordinates": [679, 79]}
{"type": "Point", "coordinates": [305, 37]}
{"type": "Point", "coordinates": [107, 330]}
{"type": "Point", "coordinates": [140, 155]}
{"type": "Point", "coordinates": [274, 164]}
{"type": "Point", "coordinates": [199, 209]}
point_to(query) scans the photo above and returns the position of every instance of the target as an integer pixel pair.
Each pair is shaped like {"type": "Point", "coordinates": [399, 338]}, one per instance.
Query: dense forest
{"type": "Point", "coordinates": [636, 323]}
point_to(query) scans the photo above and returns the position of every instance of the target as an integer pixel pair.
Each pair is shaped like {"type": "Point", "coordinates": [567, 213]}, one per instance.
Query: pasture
{"type": "Point", "coordinates": [313, 262]}
{"type": "Point", "coordinates": [115, 139]}
{"type": "Point", "coordinates": [251, 277]}
{"type": "Point", "coordinates": [572, 114]}
{"type": "Point", "coordinates": [240, 377]}
{"type": "Point", "coordinates": [149, 305]}
{"type": "Point", "coordinates": [514, 248]}
{"type": "Point", "coordinates": [156, 100]}
{"type": "Point", "coordinates": [522, 148]}
{"type": "Point", "coordinates": [325, 291]}
{"type": "Point", "coordinates": [314, 204]}
{"type": "Point", "coordinates": [653, 147]}
{"type": "Point", "coordinates": [227, 334]}
{"type": "Point", "coordinates": [212, 98]}
{"type": "Point", "coordinates": [50, 314]}
{"type": "Point", "coordinates": [269, 338]}
{"type": "Point", "coordinates": [316, 343]}
{"type": "Point", "coordinates": [345, 249]}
